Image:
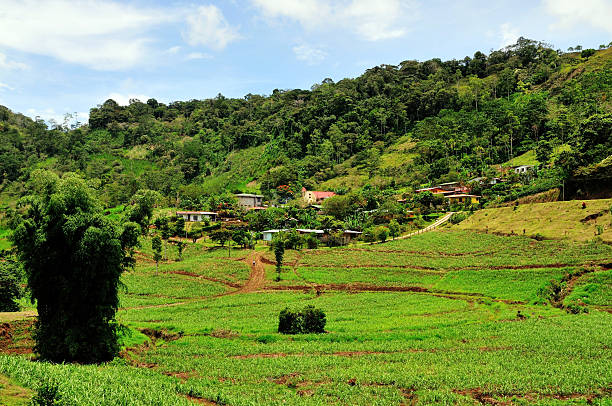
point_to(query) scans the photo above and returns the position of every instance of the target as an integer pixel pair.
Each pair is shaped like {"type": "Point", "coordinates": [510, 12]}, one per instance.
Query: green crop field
{"type": "Point", "coordinates": [446, 317]}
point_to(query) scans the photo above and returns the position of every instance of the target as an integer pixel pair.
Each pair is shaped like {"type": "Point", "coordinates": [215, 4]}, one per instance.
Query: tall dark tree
{"type": "Point", "coordinates": [73, 257]}
{"type": "Point", "coordinates": [10, 289]}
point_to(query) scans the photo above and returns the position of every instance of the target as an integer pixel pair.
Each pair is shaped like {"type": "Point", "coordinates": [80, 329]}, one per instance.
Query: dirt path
{"type": "Point", "coordinates": [257, 278]}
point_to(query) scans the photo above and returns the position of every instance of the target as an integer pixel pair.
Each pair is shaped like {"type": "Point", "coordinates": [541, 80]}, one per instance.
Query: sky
{"type": "Point", "coordinates": [67, 56]}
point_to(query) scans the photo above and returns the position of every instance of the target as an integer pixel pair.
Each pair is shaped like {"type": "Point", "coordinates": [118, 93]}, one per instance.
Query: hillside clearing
{"type": "Point", "coordinates": [556, 220]}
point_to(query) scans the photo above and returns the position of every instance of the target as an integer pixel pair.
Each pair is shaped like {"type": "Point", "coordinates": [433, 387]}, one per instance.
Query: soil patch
{"type": "Point", "coordinates": [592, 218]}
{"type": "Point", "coordinates": [16, 337]}
{"type": "Point", "coordinates": [224, 334]}
{"type": "Point", "coordinates": [492, 398]}
{"type": "Point", "coordinates": [199, 400]}
{"type": "Point", "coordinates": [183, 376]}
{"type": "Point", "coordinates": [164, 335]}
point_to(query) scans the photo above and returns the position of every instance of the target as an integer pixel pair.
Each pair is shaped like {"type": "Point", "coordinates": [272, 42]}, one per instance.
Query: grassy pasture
{"type": "Point", "coordinates": [468, 335]}
{"type": "Point", "coordinates": [556, 220]}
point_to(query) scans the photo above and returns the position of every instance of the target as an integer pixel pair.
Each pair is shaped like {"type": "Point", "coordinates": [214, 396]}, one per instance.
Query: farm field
{"type": "Point", "coordinates": [446, 317]}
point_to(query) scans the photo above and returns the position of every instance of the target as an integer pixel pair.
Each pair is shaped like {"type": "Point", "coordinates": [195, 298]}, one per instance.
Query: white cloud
{"type": "Point", "coordinates": [378, 20]}
{"type": "Point", "coordinates": [309, 13]}
{"type": "Point", "coordinates": [370, 20]}
{"type": "Point", "coordinates": [597, 13]}
{"type": "Point", "coordinates": [5, 64]}
{"type": "Point", "coordinates": [104, 34]}
{"type": "Point", "coordinates": [198, 55]}
{"type": "Point", "coordinates": [173, 50]}
{"type": "Point", "coordinates": [124, 99]}
{"type": "Point", "coordinates": [5, 86]}
{"type": "Point", "coordinates": [208, 27]}
{"type": "Point", "coordinates": [509, 35]}
{"type": "Point", "coordinates": [309, 54]}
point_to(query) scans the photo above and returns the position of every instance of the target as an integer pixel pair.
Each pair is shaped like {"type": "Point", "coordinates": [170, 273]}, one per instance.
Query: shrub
{"type": "Point", "coordinates": [293, 240]}
{"type": "Point", "coordinates": [574, 308]}
{"type": "Point", "coordinates": [47, 395]}
{"type": "Point", "coordinates": [368, 235]}
{"type": "Point", "coordinates": [288, 322]}
{"type": "Point", "coordinates": [312, 242]}
{"type": "Point", "coordinates": [586, 53]}
{"type": "Point", "coordinates": [313, 320]}
{"type": "Point", "coordinates": [382, 233]}
{"type": "Point", "coordinates": [308, 320]}
{"type": "Point", "coordinates": [457, 218]}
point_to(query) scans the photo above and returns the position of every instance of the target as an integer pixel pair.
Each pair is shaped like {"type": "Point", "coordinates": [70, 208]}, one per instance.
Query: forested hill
{"type": "Point", "coordinates": [393, 128]}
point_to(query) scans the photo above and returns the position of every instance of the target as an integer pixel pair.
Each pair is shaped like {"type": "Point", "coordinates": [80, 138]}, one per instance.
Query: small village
{"type": "Point", "coordinates": [326, 218]}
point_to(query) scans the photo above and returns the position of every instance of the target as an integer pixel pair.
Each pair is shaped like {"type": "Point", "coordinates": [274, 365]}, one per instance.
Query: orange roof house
{"type": "Point", "coordinates": [315, 197]}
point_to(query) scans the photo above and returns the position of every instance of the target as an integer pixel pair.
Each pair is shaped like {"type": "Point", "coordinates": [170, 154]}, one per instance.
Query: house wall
{"type": "Point", "coordinates": [249, 201]}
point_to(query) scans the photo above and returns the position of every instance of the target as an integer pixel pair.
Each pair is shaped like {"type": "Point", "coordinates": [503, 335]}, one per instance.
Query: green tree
{"type": "Point", "coordinates": [394, 228]}
{"type": "Point", "coordinates": [180, 246]}
{"type": "Point", "coordinates": [73, 257]}
{"type": "Point", "coordinates": [10, 288]}
{"type": "Point", "coordinates": [278, 247]}
{"type": "Point", "coordinates": [543, 151]}
{"type": "Point", "coordinates": [221, 235]}
{"type": "Point", "coordinates": [142, 208]}
{"type": "Point", "coordinates": [368, 235]}
{"type": "Point", "coordinates": [382, 233]}
{"type": "Point", "coordinates": [156, 246]}
{"type": "Point", "coordinates": [195, 232]}
{"type": "Point", "coordinates": [179, 227]}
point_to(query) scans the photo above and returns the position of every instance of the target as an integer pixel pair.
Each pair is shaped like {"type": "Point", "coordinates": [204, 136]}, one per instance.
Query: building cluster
{"type": "Point", "coordinates": [454, 192]}
{"type": "Point", "coordinates": [458, 193]}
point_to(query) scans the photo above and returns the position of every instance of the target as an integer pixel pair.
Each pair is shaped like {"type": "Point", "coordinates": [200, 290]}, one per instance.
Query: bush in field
{"type": "Point", "coordinates": [47, 395]}
{"type": "Point", "coordinates": [73, 257]}
{"type": "Point", "coordinates": [312, 242]}
{"type": "Point", "coordinates": [294, 240]}
{"type": "Point", "coordinates": [10, 290]}
{"type": "Point", "coordinates": [305, 321]}
{"type": "Point", "coordinates": [368, 235]}
{"type": "Point", "coordinates": [394, 228]}
{"type": "Point", "coordinates": [457, 218]}
{"type": "Point", "coordinates": [382, 233]}
{"type": "Point", "coordinates": [334, 239]}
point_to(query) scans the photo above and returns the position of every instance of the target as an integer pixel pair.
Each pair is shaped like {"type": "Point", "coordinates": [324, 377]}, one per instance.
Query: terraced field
{"type": "Point", "coordinates": [447, 317]}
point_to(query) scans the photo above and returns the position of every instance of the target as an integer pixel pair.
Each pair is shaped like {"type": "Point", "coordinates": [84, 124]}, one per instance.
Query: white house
{"type": "Point", "coordinates": [268, 235]}
{"type": "Point", "coordinates": [197, 215]}
{"type": "Point", "coordinates": [522, 168]}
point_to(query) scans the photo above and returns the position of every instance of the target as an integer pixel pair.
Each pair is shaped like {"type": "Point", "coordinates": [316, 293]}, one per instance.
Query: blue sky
{"type": "Point", "coordinates": [66, 56]}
